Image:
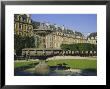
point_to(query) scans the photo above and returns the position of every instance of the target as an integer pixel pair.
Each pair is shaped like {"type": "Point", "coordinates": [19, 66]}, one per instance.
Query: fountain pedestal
{"type": "Point", "coordinates": [42, 68]}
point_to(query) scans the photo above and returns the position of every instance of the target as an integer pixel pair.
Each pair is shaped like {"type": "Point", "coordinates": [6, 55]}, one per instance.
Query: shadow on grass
{"type": "Point", "coordinates": [25, 67]}
{"type": "Point", "coordinates": [60, 66]}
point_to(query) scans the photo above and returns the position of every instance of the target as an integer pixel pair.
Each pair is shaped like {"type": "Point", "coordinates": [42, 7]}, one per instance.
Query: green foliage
{"type": "Point", "coordinates": [37, 41]}
{"type": "Point", "coordinates": [72, 47]}
{"type": "Point", "coordinates": [79, 47]}
{"type": "Point", "coordinates": [21, 42]}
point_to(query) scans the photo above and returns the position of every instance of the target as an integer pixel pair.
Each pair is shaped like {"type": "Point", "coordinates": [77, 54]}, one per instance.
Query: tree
{"type": "Point", "coordinates": [72, 47]}
{"type": "Point", "coordinates": [18, 44]}
{"type": "Point", "coordinates": [79, 47]}
{"type": "Point", "coordinates": [21, 42]}
{"type": "Point", "coordinates": [64, 47]}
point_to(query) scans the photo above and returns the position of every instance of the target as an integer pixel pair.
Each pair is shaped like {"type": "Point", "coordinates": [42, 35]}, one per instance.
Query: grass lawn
{"type": "Point", "coordinates": [75, 63]}
{"type": "Point", "coordinates": [72, 63]}
{"type": "Point", "coordinates": [19, 64]}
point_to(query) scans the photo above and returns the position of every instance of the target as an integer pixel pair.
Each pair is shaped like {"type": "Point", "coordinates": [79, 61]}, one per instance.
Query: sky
{"type": "Point", "coordinates": [85, 23]}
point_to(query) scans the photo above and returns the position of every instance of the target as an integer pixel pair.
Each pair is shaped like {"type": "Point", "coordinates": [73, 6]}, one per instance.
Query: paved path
{"type": "Point", "coordinates": [71, 57]}
{"type": "Point", "coordinates": [60, 58]}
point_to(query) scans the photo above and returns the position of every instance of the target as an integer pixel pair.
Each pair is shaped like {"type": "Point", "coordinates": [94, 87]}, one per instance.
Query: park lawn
{"type": "Point", "coordinates": [19, 64]}
{"type": "Point", "coordinates": [75, 63]}
{"type": "Point", "coordinates": [72, 63]}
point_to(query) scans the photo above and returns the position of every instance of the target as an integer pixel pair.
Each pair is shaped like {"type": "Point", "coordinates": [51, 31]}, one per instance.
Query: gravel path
{"type": "Point", "coordinates": [60, 58]}
{"type": "Point", "coordinates": [71, 57]}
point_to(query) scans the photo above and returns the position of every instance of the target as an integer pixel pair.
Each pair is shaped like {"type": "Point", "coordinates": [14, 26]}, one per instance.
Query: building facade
{"type": "Point", "coordinates": [55, 39]}
{"type": "Point", "coordinates": [92, 38]}
{"type": "Point", "coordinates": [59, 36]}
{"type": "Point", "coordinates": [23, 25]}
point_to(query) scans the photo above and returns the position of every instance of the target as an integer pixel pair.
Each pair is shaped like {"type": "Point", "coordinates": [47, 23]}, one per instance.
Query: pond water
{"type": "Point", "coordinates": [31, 72]}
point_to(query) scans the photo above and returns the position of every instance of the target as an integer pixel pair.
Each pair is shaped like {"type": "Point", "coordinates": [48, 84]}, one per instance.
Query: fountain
{"type": "Point", "coordinates": [42, 68]}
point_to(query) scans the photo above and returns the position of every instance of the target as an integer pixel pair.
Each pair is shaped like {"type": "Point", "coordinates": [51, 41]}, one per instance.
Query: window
{"type": "Point", "coordinates": [15, 25]}
{"type": "Point", "coordinates": [20, 33]}
{"type": "Point", "coordinates": [29, 28]}
{"type": "Point", "coordinates": [25, 27]}
{"type": "Point", "coordinates": [20, 27]}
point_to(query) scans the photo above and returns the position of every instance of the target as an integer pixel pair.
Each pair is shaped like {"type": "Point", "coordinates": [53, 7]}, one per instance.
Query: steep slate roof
{"type": "Point", "coordinates": [66, 30]}
{"type": "Point", "coordinates": [94, 34]}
